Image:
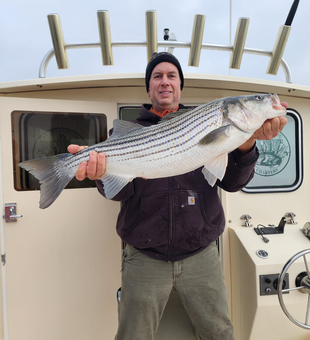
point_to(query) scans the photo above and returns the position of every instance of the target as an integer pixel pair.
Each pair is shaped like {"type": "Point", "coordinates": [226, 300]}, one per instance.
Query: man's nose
{"type": "Point", "coordinates": [165, 80]}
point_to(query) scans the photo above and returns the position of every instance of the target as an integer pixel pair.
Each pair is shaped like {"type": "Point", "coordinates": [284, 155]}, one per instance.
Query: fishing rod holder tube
{"type": "Point", "coordinates": [58, 41]}
{"type": "Point", "coordinates": [151, 33]}
{"type": "Point", "coordinates": [278, 49]}
{"type": "Point", "coordinates": [196, 43]}
{"type": "Point", "coordinates": [105, 37]}
{"type": "Point", "coordinates": [152, 45]}
{"type": "Point", "coordinates": [239, 43]}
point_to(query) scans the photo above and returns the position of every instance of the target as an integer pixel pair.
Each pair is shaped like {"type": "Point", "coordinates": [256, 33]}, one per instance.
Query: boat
{"type": "Point", "coordinates": [61, 266]}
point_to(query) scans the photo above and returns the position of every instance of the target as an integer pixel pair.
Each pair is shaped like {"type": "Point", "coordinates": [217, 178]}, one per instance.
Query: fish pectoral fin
{"type": "Point", "coordinates": [216, 136]}
{"type": "Point", "coordinates": [215, 169]}
{"type": "Point", "coordinates": [113, 184]}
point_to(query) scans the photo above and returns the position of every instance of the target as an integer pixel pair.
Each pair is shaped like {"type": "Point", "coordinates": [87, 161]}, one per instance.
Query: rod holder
{"type": "Point", "coordinates": [196, 42]}
{"type": "Point", "coordinates": [58, 41]}
{"type": "Point", "coordinates": [105, 37]}
{"type": "Point", "coordinates": [278, 49]}
{"type": "Point", "coordinates": [239, 43]}
{"type": "Point", "coordinates": [151, 33]}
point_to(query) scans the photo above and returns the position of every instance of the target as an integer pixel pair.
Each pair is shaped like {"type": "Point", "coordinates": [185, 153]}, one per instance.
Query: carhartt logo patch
{"type": "Point", "coordinates": [191, 200]}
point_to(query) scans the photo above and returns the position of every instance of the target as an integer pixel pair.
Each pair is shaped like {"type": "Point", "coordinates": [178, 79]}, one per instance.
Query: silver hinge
{"type": "Point", "coordinates": [3, 259]}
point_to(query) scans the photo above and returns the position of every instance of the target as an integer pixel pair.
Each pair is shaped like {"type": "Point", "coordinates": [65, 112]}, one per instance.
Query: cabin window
{"type": "Point", "coordinates": [42, 134]}
{"type": "Point", "coordinates": [280, 164]}
{"type": "Point", "coordinates": [129, 113]}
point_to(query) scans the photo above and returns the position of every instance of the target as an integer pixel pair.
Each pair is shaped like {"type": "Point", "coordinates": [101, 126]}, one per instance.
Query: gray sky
{"type": "Point", "coordinates": [25, 36]}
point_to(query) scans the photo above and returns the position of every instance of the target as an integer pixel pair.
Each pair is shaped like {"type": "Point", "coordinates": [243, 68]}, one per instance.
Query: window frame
{"type": "Point", "coordinates": [24, 141]}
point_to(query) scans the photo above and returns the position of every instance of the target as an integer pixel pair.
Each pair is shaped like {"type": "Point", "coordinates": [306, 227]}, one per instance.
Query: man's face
{"type": "Point", "coordinates": [165, 87]}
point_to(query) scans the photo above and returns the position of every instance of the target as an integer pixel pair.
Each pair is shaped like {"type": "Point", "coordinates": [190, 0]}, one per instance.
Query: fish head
{"type": "Point", "coordinates": [249, 113]}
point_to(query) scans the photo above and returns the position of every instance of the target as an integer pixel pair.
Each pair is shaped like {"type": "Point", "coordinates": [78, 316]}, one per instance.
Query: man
{"type": "Point", "coordinates": [170, 241]}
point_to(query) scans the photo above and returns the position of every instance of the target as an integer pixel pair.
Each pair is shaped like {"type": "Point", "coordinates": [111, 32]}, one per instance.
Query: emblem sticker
{"type": "Point", "coordinates": [274, 156]}
{"type": "Point", "coordinates": [54, 141]}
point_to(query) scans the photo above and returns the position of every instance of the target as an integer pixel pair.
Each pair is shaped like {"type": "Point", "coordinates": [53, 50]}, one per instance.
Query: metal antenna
{"type": "Point", "coordinates": [292, 13]}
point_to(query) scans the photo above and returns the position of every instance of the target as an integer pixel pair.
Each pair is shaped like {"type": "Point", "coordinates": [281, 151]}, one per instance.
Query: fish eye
{"type": "Point", "coordinates": [258, 97]}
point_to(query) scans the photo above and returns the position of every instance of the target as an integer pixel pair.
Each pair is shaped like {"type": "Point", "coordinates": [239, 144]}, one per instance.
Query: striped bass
{"type": "Point", "coordinates": [200, 137]}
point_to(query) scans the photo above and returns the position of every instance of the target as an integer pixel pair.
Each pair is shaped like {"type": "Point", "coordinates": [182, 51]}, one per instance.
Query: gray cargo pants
{"type": "Point", "coordinates": [146, 286]}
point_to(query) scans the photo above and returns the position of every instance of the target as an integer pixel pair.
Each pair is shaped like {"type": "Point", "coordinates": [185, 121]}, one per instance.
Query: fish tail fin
{"type": "Point", "coordinates": [52, 175]}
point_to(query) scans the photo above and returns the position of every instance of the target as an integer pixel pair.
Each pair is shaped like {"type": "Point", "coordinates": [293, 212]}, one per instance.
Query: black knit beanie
{"type": "Point", "coordinates": [158, 58]}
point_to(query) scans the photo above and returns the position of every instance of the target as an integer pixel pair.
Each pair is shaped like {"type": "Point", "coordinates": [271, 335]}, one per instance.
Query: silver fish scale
{"type": "Point", "coordinates": [174, 137]}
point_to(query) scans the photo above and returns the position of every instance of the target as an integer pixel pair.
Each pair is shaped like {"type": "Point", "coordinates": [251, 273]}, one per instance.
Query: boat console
{"type": "Point", "coordinates": [270, 280]}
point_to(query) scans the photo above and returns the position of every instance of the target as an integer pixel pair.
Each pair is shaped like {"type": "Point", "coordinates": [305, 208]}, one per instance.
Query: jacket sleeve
{"type": "Point", "coordinates": [240, 170]}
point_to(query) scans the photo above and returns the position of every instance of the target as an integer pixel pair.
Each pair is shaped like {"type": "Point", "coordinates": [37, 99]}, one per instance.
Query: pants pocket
{"type": "Point", "coordinates": [129, 252]}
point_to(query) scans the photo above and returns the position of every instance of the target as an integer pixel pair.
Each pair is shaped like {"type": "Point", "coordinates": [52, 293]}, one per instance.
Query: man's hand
{"type": "Point", "coordinates": [94, 168]}
{"type": "Point", "coordinates": [270, 129]}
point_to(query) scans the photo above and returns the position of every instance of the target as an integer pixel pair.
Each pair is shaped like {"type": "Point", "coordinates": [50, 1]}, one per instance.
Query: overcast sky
{"type": "Point", "coordinates": [25, 36]}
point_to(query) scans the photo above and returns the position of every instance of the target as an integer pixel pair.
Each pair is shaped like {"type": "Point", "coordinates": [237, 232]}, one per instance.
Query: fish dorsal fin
{"type": "Point", "coordinates": [216, 136]}
{"type": "Point", "coordinates": [215, 169]}
{"type": "Point", "coordinates": [122, 127]}
{"type": "Point", "coordinates": [173, 115]}
{"type": "Point", "coordinates": [113, 184]}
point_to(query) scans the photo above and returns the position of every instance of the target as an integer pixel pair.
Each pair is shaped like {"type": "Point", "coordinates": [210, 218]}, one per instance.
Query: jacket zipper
{"type": "Point", "coordinates": [171, 217]}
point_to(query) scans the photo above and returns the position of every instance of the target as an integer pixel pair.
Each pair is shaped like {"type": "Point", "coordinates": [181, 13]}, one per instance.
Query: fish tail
{"type": "Point", "coordinates": [52, 174]}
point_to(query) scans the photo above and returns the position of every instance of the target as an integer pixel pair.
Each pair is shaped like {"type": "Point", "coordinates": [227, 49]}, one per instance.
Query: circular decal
{"type": "Point", "coordinates": [274, 154]}
{"type": "Point", "coordinates": [53, 142]}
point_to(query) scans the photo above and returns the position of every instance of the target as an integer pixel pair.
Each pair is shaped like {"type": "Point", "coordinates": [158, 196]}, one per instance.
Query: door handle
{"type": "Point", "coordinates": [10, 212]}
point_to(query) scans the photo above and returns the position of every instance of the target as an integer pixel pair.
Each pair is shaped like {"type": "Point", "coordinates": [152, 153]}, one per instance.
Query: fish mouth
{"type": "Point", "coordinates": [276, 104]}
{"type": "Point", "coordinates": [279, 107]}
